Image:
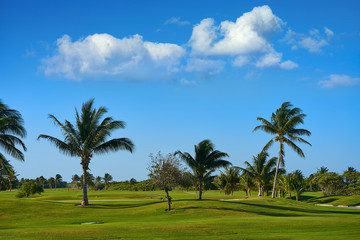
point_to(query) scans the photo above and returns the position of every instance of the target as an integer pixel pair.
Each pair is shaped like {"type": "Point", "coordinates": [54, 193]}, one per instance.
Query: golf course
{"type": "Point", "coordinates": [55, 214]}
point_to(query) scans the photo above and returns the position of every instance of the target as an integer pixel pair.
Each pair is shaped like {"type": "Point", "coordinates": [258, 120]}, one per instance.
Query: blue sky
{"type": "Point", "coordinates": [181, 72]}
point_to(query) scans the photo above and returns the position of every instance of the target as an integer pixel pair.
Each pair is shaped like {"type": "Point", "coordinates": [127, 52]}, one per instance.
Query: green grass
{"type": "Point", "coordinates": [142, 215]}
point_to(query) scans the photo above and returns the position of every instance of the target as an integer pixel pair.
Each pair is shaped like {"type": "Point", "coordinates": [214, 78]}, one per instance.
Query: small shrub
{"type": "Point", "coordinates": [28, 189]}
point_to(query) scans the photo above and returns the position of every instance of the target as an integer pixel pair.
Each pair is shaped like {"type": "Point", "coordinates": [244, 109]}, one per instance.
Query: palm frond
{"type": "Point", "coordinates": [62, 146]}
{"type": "Point", "coordinates": [294, 147]}
{"type": "Point", "coordinates": [115, 145]}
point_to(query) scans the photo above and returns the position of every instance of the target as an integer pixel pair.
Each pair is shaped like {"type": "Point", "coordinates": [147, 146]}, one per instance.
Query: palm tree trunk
{"type": "Point", "coordinates": [84, 201]}
{"type": "Point", "coordinates": [200, 188]}
{"type": "Point", "coordinates": [277, 169]}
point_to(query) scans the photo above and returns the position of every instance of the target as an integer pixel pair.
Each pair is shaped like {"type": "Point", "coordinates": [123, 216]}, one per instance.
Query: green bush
{"type": "Point", "coordinates": [28, 189]}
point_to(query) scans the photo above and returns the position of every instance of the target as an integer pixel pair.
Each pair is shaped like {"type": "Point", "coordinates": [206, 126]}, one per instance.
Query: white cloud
{"type": "Point", "coordinates": [314, 41]}
{"type": "Point", "coordinates": [288, 65]}
{"type": "Point", "coordinates": [328, 32]}
{"type": "Point", "coordinates": [335, 80]}
{"type": "Point", "coordinates": [241, 61]}
{"type": "Point", "coordinates": [273, 59]}
{"type": "Point", "coordinates": [104, 55]}
{"type": "Point", "coordinates": [247, 35]}
{"type": "Point", "coordinates": [187, 82]}
{"type": "Point", "coordinates": [176, 21]}
{"type": "Point", "coordinates": [207, 66]}
{"type": "Point", "coordinates": [210, 47]}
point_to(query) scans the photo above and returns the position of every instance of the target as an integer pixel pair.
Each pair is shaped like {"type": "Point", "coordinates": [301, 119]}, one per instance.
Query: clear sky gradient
{"type": "Point", "coordinates": [180, 72]}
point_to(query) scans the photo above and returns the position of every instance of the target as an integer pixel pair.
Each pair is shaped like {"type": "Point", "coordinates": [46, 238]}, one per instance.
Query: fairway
{"type": "Point", "coordinates": [142, 215]}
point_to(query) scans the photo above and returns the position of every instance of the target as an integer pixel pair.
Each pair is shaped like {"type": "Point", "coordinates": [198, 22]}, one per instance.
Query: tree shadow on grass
{"type": "Point", "coordinates": [270, 210]}
{"type": "Point", "coordinates": [122, 205]}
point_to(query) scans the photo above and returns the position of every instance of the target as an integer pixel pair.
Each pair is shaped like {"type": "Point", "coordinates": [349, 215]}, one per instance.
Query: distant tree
{"type": "Point", "coordinates": [58, 179]}
{"type": "Point", "coordinates": [11, 131]}
{"type": "Point", "coordinates": [42, 181]}
{"type": "Point", "coordinates": [89, 137]}
{"type": "Point", "coordinates": [330, 182]}
{"type": "Point", "coordinates": [261, 171]}
{"type": "Point", "coordinates": [322, 170]}
{"type": "Point", "coordinates": [206, 159]}
{"type": "Point", "coordinates": [246, 183]}
{"type": "Point", "coordinates": [187, 181]}
{"type": "Point", "coordinates": [232, 178]}
{"type": "Point", "coordinates": [298, 175]}
{"type": "Point", "coordinates": [220, 183]}
{"type": "Point", "coordinates": [11, 177]}
{"type": "Point", "coordinates": [351, 175]}
{"type": "Point", "coordinates": [75, 179]}
{"type": "Point", "coordinates": [107, 179]}
{"type": "Point", "coordinates": [132, 181]}
{"type": "Point", "coordinates": [89, 181]}
{"type": "Point", "coordinates": [51, 181]}
{"type": "Point", "coordinates": [166, 172]}
{"type": "Point", "coordinates": [283, 125]}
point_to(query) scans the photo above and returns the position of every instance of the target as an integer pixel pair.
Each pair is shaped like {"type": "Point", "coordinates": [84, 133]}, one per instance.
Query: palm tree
{"type": "Point", "coordinates": [246, 183]}
{"type": "Point", "coordinates": [11, 130]}
{"type": "Point", "coordinates": [107, 179]}
{"type": "Point", "coordinates": [88, 137]}
{"type": "Point", "coordinates": [58, 179]}
{"type": "Point", "coordinates": [51, 181]}
{"type": "Point", "coordinates": [261, 171]}
{"type": "Point", "coordinates": [11, 176]}
{"type": "Point", "coordinates": [42, 181]}
{"type": "Point", "coordinates": [283, 125]}
{"type": "Point", "coordinates": [231, 177]}
{"type": "Point", "coordinates": [76, 180]}
{"type": "Point", "coordinates": [206, 159]}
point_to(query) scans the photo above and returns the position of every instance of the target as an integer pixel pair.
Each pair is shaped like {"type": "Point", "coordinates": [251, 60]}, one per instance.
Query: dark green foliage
{"type": "Point", "coordinates": [29, 188]}
{"type": "Point", "coordinates": [261, 171]}
{"type": "Point", "coordinates": [228, 180]}
{"type": "Point", "coordinates": [206, 160]}
{"type": "Point", "coordinates": [107, 179]}
{"type": "Point", "coordinates": [11, 131]}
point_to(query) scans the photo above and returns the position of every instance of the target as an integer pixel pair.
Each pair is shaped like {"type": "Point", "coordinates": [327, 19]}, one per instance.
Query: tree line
{"type": "Point", "coordinates": [89, 134]}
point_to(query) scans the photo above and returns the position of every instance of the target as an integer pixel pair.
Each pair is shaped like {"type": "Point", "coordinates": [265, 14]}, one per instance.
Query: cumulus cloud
{"type": "Point", "coordinates": [246, 41]}
{"type": "Point", "coordinates": [314, 41]}
{"type": "Point", "coordinates": [177, 21]}
{"type": "Point", "coordinates": [247, 35]}
{"type": "Point", "coordinates": [104, 55]}
{"type": "Point", "coordinates": [335, 80]}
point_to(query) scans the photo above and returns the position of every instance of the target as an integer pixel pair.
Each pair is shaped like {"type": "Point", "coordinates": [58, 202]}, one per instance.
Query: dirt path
{"type": "Point", "coordinates": [339, 206]}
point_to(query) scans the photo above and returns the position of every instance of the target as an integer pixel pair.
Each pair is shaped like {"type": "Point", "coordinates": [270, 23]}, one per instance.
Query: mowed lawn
{"type": "Point", "coordinates": [142, 215]}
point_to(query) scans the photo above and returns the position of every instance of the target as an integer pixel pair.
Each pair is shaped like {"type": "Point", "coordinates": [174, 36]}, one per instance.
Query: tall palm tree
{"type": "Point", "coordinates": [11, 130]}
{"type": "Point", "coordinates": [283, 125]}
{"type": "Point", "coordinates": [261, 171]}
{"type": "Point", "coordinates": [88, 137]}
{"type": "Point", "coordinates": [206, 159]}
